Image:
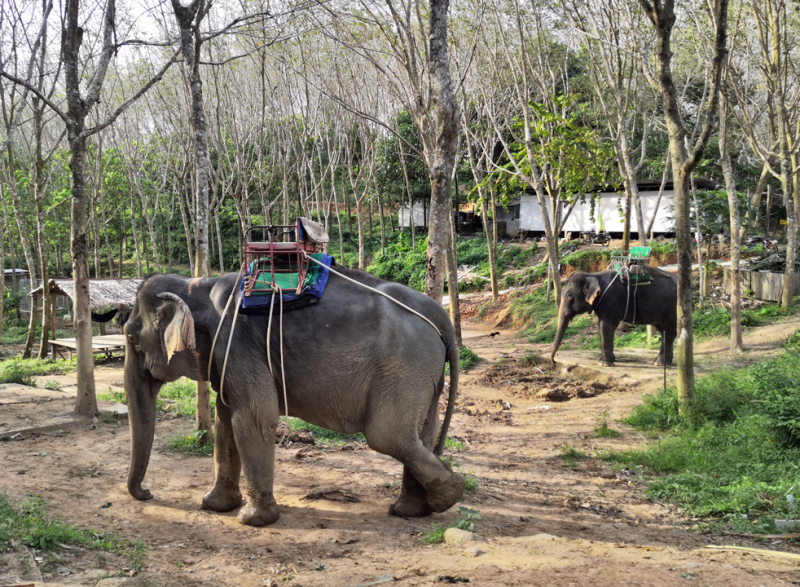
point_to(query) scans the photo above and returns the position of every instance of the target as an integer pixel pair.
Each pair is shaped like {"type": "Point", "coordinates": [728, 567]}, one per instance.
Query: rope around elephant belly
{"type": "Point", "coordinates": [377, 291]}
{"type": "Point", "coordinates": [269, 354]}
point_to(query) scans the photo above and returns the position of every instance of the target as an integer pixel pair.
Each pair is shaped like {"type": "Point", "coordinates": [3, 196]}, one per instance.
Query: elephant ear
{"type": "Point", "coordinates": [179, 331]}
{"type": "Point", "coordinates": [591, 289]}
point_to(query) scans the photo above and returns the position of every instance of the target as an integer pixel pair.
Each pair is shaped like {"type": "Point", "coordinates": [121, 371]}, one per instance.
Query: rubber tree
{"type": "Point", "coordinates": [661, 14]}
{"type": "Point", "coordinates": [78, 106]}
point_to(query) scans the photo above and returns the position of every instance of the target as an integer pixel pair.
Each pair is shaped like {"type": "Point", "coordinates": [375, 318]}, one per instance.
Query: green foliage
{"type": "Point", "coordinates": [541, 316]}
{"type": "Point", "coordinates": [454, 443]}
{"type": "Point", "coordinates": [467, 358]}
{"type": "Point", "coordinates": [405, 265]}
{"type": "Point", "coordinates": [576, 154]}
{"type": "Point", "coordinates": [18, 334]}
{"type": "Point", "coordinates": [467, 519]}
{"type": "Point", "coordinates": [793, 341]}
{"type": "Point", "coordinates": [180, 397]}
{"type": "Point", "coordinates": [23, 371]}
{"type": "Point", "coordinates": [736, 450]}
{"type": "Point", "coordinates": [29, 525]}
{"type": "Point", "coordinates": [190, 442]}
{"type": "Point", "coordinates": [588, 261]}
{"type": "Point", "coordinates": [470, 481]}
{"type": "Point", "coordinates": [716, 320]}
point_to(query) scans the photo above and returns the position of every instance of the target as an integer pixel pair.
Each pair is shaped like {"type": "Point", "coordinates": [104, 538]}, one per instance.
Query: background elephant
{"type": "Point", "coordinates": [354, 362]}
{"type": "Point", "coordinates": [614, 301]}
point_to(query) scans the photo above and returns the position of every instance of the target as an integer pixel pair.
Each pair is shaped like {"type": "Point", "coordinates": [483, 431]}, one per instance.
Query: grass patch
{"type": "Point", "coordinates": [433, 536]}
{"type": "Point", "coordinates": [23, 371]}
{"type": "Point", "coordinates": [453, 443]}
{"type": "Point", "coordinates": [603, 430]}
{"type": "Point", "coordinates": [28, 524]}
{"type": "Point", "coordinates": [466, 522]}
{"type": "Point", "coordinates": [734, 456]}
{"type": "Point", "coordinates": [189, 443]}
{"type": "Point", "coordinates": [180, 397]}
{"type": "Point", "coordinates": [112, 396]}
{"type": "Point", "coordinates": [470, 481]}
{"type": "Point", "coordinates": [323, 435]}
{"type": "Point", "coordinates": [572, 455]}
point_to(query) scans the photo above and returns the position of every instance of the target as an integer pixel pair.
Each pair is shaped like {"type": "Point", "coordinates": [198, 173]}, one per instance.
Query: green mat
{"type": "Point", "coordinates": [286, 281]}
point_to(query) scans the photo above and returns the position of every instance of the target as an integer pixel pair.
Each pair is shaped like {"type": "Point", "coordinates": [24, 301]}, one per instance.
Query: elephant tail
{"type": "Point", "coordinates": [454, 354]}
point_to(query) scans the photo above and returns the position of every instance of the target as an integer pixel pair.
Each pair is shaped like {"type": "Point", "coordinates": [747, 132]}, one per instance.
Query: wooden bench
{"type": "Point", "coordinates": [100, 344]}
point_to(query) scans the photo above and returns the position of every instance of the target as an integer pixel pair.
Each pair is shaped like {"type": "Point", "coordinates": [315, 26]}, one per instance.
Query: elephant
{"type": "Point", "coordinates": [613, 301]}
{"type": "Point", "coordinates": [353, 362]}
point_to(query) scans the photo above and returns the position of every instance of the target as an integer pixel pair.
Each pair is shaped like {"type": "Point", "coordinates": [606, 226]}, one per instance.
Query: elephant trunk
{"type": "Point", "coordinates": [563, 322]}
{"type": "Point", "coordinates": [140, 392]}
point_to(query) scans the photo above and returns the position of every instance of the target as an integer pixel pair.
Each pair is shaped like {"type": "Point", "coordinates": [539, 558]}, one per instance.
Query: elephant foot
{"type": "Point", "coordinates": [257, 516]}
{"type": "Point", "coordinates": [409, 506]}
{"type": "Point", "coordinates": [442, 495]}
{"type": "Point", "coordinates": [604, 363]}
{"type": "Point", "coordinates": [222, 500]}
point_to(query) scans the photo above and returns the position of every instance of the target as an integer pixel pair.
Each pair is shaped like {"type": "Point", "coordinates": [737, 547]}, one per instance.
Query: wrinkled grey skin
{"type": "Point", "coordinates": [655, 303]}
{"type": "Point", "coordinates": [354, 362]}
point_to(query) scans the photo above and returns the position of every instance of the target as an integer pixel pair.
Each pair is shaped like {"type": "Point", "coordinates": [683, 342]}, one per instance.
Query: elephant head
{"type": "Point", "coordinates": [577, 297]}
{"type": "Point", "coordinates": [161, 347]}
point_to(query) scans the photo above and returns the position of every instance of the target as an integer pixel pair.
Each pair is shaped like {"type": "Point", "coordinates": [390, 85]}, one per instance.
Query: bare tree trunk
{"type": "Point", "coordinates": [383, 227]}
{"type": "Point", "coordinates": [87, 400]}
{"type": "Point", "coordinates": [136, 238]}
{"type": "Point", "coordinates": [698, 237]}
{"type": "Point", "coordinates": [189, 19]}
{"type": "Point", "coordinates": [16, 205]}
{"type": "Point", "coordinates": [442, 154]}
{"type": "Point", "coordinates": [662, 17]}
{"type": "Point", "coordinates": [452, 279]}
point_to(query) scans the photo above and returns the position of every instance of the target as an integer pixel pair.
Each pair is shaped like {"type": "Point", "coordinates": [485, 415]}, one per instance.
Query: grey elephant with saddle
{"type": "Point", "coordinates": [615, 299]}
{"type": "Point", "coordinates": [353, 362]}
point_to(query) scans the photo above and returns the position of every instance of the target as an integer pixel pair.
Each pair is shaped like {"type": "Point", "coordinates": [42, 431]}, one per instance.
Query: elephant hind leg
{"type": "Point", "coordinates": [225, 495]}
{"type": "Point", "coordinates": [413, 500]}
{"type": "Point", "coordinates": [425, 476]}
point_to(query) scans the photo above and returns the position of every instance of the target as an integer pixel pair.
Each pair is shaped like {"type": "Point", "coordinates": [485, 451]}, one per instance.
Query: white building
{"type": "Point", "coordinates": [608, 206]}
{"type": "Point", "coordinates": [421, 214]}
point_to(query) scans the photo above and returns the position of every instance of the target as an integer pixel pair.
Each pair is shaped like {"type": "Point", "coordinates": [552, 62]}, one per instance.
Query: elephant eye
{"type": "Point", "coordinates": [569, 294]}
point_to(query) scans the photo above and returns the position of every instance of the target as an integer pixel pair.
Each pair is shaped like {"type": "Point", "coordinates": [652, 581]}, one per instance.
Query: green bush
{"type": "Point", "coordinates": [587, 261]}
{"type": "Point", "coordinates": [737, 449]}
{"type": "Point", "coordinates": [23, 371]}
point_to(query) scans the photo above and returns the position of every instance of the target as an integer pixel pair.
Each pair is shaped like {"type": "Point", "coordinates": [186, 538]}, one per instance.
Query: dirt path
{"type": "Point", "coordinates": [545, 521]}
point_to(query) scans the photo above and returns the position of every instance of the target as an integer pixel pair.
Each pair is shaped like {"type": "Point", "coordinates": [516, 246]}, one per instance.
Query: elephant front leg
{"type": "Point", "coordinates": [607, 343]}
{"type": "Point", "coordinates": [255, 424]}
{"type": "Point", "coordinates": [225, 496]}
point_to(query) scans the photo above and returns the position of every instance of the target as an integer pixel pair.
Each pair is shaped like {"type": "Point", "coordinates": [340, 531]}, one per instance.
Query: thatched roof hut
{"type": "Point", "coordinates": [103, 293]}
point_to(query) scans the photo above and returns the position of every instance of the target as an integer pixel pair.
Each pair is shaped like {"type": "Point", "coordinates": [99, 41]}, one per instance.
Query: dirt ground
{"type": "Point", "coordinates": [544, 521]}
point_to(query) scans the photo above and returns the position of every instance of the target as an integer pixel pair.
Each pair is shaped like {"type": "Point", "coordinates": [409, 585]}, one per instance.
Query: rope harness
{"type": "Point", "coordinates": [277, 289]}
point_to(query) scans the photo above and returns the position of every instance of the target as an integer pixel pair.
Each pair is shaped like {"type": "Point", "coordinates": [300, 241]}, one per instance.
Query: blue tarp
{"type": "Point", "coordinates": [313, 291]}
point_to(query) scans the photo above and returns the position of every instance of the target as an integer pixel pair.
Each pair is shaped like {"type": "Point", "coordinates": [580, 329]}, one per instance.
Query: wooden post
{"type": "Point", "coordinates": [53, 298]}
